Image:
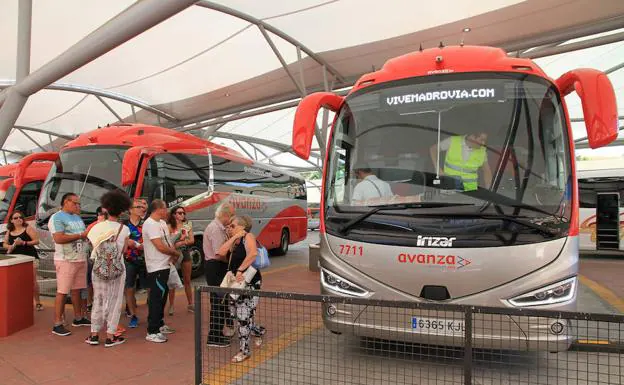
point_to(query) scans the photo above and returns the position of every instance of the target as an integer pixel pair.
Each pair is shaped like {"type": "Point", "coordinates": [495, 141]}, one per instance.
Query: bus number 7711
{"type": "Point", "coordinates": [351, 250]}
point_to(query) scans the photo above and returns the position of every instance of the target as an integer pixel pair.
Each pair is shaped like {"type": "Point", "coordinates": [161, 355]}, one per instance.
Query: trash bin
{"type": "Point", "coordinates": [16, 293]}
{"type": "Point", "coordinates": [313, 258]}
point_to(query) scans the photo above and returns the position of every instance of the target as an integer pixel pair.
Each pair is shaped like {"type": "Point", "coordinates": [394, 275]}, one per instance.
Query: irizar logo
{"type": "Point", "coordinates": [435, 241]}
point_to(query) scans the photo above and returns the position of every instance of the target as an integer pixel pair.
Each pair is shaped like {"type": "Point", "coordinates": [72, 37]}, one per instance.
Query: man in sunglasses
{"type": "Point", "coordinates": [70, 260]}
{"type": "Point", "coordinates": [135, 258]}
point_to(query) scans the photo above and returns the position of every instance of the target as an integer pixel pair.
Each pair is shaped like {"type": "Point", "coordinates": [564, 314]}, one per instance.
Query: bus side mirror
{"type": "Point", "coordinates": [599, 103]}
{"type": "Point", "coordinates": [305, 120]}
{"type": "Point", "coordinates": [130, 163]}
{"type": "Point", "coordinates": [26, 161]}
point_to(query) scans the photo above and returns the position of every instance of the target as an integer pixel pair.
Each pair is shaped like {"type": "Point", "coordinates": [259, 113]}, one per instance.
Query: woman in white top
{"type": "Point", "coordinates": [108, 294]}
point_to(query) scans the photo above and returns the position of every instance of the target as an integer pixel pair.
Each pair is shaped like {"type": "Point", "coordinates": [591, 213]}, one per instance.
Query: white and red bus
{"type": "Point", "coordinates": [601, 201]}
{"type": "Point", "coordinates": [499, 228]}
{"type": "Point", "coordinates": [20, 185]}
{"type": "Point", "coordinates": [183, 170]}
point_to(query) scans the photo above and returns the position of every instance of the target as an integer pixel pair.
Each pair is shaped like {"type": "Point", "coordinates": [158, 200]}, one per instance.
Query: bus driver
{"type": "Point", "coordinates": [369, 187]}
{"type": "Point", "coordinates": [465, 155]}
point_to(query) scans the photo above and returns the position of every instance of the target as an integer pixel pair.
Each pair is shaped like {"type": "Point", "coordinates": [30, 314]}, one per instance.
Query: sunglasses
{"type": "Point", "coordinates": [180, 213]}
{"type": "Point", "coordinates": [15, 218]}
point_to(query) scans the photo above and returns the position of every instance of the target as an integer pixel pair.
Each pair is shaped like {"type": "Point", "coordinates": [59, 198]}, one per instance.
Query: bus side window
{"type": "Point", "coordinates": [27, 200]}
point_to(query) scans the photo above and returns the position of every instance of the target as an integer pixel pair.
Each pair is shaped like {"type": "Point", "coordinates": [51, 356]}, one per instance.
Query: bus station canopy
{"type": "Point", "coordinates": [233, 70]}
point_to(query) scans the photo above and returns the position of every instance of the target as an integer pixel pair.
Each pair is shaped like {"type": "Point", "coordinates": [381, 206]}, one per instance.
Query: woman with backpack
{"type": "Point", "coordinates": [110, 240]}
{"type": "Point", "coordinates": [181, 237]}
{"type": "Point", "coordinates": [242, 251]}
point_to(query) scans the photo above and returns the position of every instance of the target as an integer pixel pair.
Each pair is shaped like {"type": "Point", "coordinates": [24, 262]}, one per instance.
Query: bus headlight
{"type": "Point", "coordinates": [556, 293]}
{"type": "Point", "coordinates": [336, 283]}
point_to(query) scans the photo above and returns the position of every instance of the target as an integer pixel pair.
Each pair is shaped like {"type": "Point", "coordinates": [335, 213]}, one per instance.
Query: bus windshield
{"type": "Point", "coordinates": [87, 172]}
{"type": "Point", "coordinates": [472, 143]}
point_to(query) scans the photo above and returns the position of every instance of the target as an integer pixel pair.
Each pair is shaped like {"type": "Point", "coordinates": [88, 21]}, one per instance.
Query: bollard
{"type": "Point", "coordinates": [313, 257]}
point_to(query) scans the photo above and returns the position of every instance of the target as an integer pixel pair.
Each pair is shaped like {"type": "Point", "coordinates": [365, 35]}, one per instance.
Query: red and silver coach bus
{"type": "Point", "coordinates": [20, 185]}
{"type": "Point", "coordinates": [450, 178]}
{"type": "Point", "coordinates": [183, 170]}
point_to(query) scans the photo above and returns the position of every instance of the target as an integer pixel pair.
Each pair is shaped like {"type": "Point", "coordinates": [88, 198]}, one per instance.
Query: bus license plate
{"type": "Point", "coordinates": [438, 326]}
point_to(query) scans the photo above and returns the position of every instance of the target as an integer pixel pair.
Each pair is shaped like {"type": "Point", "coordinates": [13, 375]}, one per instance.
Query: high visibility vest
{"type": "Point", "coordinates": [454, 164]}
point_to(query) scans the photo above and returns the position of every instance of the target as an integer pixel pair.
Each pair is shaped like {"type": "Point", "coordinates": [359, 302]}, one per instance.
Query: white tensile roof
{"type": "Point", "coordinates": [213, 60]}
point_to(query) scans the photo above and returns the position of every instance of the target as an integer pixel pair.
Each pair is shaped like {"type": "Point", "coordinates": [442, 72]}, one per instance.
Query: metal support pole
{"type": "Point", "coordinates": [41, 131]}
{"type": "Point", "coordinates": [281, 59]}
{"type": "Point", "coordinates": [9, 113]}
{"type": "Point", "coordinates": [134, 114]}
{"type": "Point", "coordinates": [198, 337]}
{"type": "Point", "coordinates": [468, 347]}
{"type": "Point", "coordinates": [139, 17]}
{"type": "Point", "coordinates": [244, 149]}
{"type": "Point", "coordinates": [51, 142]}
{"type": "Point", "coordinates": [12, 101]}
{"type": "Point", "coordinates": [24, 22]}
{"type": "Point", "coordinates": [614, 68]}
{"type": "Point", "coordinates": [603, 40]}
{"type": "Point", "coordinates": [5, 158]}
{"type": "Point", "coordinates": [33, 140]}
{"type": "Point", "coordinates": [111, 109]}
{"type": "Point", "coordinates": [301, 71]}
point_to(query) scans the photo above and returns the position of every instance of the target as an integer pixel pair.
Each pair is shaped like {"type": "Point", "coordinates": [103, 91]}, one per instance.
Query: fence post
{"type": "Point", "coordinates": [198, 336]}
{"type": "Point", "coordinates": [468, 346]}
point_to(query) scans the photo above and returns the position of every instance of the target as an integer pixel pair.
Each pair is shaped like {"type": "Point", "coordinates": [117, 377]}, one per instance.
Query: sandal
{"type": "Point", "coordinates": [39, 307]}
{"type": "Point", "coordinates": [240, 357]}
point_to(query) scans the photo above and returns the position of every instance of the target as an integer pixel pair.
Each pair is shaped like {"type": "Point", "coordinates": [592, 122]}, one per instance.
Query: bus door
{"type": "Point", "coordinates": [607, 221]}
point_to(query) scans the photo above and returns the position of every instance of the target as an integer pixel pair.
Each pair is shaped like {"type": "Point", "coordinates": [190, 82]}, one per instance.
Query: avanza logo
{"type": "Point", "coordinates": [435, 241]}
{"type": "Point", "coordinates": [450, 261]}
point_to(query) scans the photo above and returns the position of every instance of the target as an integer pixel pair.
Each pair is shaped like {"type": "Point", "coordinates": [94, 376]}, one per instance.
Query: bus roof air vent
{"type": "Point", "coordinates": [522, 68]}
{"type": "Point", "coordinates": [140, 132]}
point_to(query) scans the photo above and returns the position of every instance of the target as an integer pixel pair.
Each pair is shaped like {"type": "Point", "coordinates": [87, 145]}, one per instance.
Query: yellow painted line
{"type": "Point", "coordinates": [234, 371]}
{"type": "Point", "coordinates": [610, 297]}
{"type": "Point", "coordinates": [593, 342]}
{"type": "Point", "coordinates": [280, 269]}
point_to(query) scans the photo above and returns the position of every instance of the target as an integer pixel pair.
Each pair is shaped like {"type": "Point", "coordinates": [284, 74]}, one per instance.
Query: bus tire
{"type": "Point", "coordinates": [284, 242]}
{"type": "Point", "coordinates": [196, 252]}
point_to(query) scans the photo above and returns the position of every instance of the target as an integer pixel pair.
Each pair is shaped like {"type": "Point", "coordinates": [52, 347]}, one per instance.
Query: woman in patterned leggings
{"type": "Point", "coordinates": [242, 251]}
{"type": "Point", "coordinates": [108, 294]}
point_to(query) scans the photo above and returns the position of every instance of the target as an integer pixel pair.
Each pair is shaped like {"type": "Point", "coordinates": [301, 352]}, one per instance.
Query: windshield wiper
{"type": "Point", "coordinates": [396, 206]}
{"type": "Point", "coordinates": [510, 218]}
{"type": "Point", "coordinates": [496, 198]}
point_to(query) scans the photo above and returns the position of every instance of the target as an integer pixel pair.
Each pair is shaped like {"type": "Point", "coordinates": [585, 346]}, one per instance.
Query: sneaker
{"type": "Point", "coordinates": [128, 314]}
{"type": "Point", "coordinates": [134, 322]}
{"type": "Point", "coordinates": [81, 322]}
{"type": "Point", "coordinates": [216, 342]}
{"type": "Point", "coordinates": [93, 340]}
{"type": "Point", "coordinates": [171, 310]}
{"type": "Point", "coordinates": [190, 308]}
{"type": "Point", "coordinates": [157, 338]}
{"type": "Point", "coordinates": [166, 330]}
{"type": "Point", "coordinates": [60, 330]}
{"type": "Point", "coordinates": [115, 341]}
